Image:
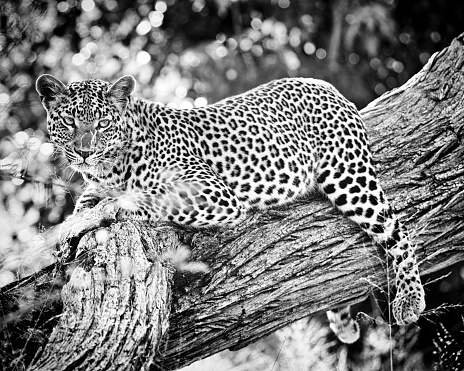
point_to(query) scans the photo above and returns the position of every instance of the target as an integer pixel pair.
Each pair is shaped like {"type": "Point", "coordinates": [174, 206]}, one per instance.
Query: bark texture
{"type": "Point", "coordinates": [123, 307]}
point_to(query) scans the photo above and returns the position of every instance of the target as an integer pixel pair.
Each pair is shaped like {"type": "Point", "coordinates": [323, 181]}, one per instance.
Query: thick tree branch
{"type": "Point", "coordinates": [273, 269]}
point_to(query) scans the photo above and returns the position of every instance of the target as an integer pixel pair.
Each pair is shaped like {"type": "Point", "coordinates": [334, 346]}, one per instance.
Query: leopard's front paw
{"type": "Point", "coordinates": [131, 215]}
{"type": "Point", "coordinates": [409, 302]}
{"type": "Point", "coordinates": [124, 215]}
{"type": "Point", "coordinates": [86, 203]}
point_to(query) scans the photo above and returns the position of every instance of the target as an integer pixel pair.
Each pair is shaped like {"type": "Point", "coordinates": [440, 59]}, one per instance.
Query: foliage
{"type": "Point", "coordinates": [184, 53]}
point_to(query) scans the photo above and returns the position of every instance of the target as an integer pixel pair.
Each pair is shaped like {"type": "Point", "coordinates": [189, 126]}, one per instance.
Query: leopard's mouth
{"type": "Point", "coordinates": [99, 170]}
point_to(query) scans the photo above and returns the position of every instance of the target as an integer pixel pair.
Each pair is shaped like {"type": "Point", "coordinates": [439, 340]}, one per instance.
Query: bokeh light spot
{"type": "Point", "coordinates": [382, 72]}
{"type": "Point", "coordinates": [256, 23]}
{"type": "Point", "coordinates": [143, 28]}
{"type": "Point", "coordinates": [77, 59]}
{"type": "Point", "coordinates": [143, 9]}
{"type": "Point", "coordinates": [231, 74]}
{"type": "Point", "coordinates": [291, 60]}
{"type": "Point", "coordinates": [21, 137]}
{"type": "Point", "coordinates": [221, 37]}
{"type": "Point", "coordinates": [397, 66]}
{"type": "Point", "coordinates": [321, 53]}
{"type": "Point", "coordinates": [62, 6]}
{"type": "Point", "coordinates": [156, 18]}
{"type": "Point", "coordinates": [87, 5]}
{"type": "Point", "coordinates": [445, 286]}
{"type": "Point", "coordinates": [85, 52]}
{"type": "Point", "coordinates": [232, 43]}
{"type": "Point", "coordinates": [221, 51]}
{"type": "Point", "coordinates": [380, 89]}
{"type": "Point", "coordinates": [4, 98]}
{"type": "Point", "coordinates": [353, 58]}
{"type": "Point", "coordinates": [111, 5]}
{"type": "Point", "coordinates": [91, 68]}
{"type": "Point", "coordinates": [100, 59]}
{"type": "Point", "coordinates": [123, 53]}
{"type": "Point", "coordinates": [424, 57]}
{"type": "Point", "coordinates": [186, 104]}
{"type": "Point", "coordinates": [23, 81]}
{"type": "Point", "coordinates": [257, 50]}
{"type": "Point", "coordinates": [200, 102]}
{"type": "Point", "coordinates": [181, 92]}
{"type": "Point", "coordinates": [350, 18]}
{"type": "Point", "coordinates": [246, 44]}
{"type": "Point", "coordinates": [96, 32]}
{"type": "Point", "coordinates": [161, 6]}
{"type": "Point", "coordinates": [375, 63]}
{"type": "Point", "coordinates": [143, 57]}
{"type": "Point", "coordinates": [309, 48]}
{"type": "Point", "coordinates": [46, 149]}
{"type": "Point", "coordinates": [435, 36]}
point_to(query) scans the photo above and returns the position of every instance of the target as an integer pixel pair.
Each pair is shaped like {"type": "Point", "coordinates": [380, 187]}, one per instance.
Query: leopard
{"type": "Point", "coordinates": [210, 166]}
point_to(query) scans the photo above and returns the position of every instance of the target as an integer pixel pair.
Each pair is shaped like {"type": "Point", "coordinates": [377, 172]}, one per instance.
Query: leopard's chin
{"type": "Point", "coordinates": [83, 168]}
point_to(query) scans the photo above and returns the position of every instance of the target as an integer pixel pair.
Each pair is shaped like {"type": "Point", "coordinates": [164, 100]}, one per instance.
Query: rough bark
{"type": "Point", "coordinates": [116, 310]}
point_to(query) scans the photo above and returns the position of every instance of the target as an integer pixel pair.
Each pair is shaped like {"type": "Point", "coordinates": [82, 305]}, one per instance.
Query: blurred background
{"type": "Point", "coordinates": [189, 53]}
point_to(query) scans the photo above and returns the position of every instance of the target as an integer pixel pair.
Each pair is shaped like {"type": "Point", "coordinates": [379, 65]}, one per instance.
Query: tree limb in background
{"type": "Point", "coordinates": [123, 307]}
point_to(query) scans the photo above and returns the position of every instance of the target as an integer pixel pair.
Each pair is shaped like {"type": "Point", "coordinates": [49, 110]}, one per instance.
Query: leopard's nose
{"type": "Point", "coordinates": [84, 148]}
{"type": "Point", "coordinates": [84, 154]}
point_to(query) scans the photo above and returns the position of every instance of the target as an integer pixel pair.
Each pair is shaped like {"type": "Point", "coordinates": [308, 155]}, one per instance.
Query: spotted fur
{"type": "Point", "coordinates": [207, 166]}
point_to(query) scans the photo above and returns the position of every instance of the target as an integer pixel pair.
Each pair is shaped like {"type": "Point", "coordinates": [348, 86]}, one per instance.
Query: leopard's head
{"type": "Point", "coordinates": [86, 120]}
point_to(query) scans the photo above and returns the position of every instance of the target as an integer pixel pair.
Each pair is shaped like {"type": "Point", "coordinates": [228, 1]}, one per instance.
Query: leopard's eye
{"type": "Point", "coordinates": [103, 123]}
{"type": "Point", "coordinates": [69, 121]}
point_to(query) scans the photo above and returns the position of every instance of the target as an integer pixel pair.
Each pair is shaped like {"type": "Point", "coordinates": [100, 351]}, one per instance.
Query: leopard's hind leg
{"type": "Point", "coordinates": [354, 189]}
{"type": "Point", "coordinates": [347, 177]}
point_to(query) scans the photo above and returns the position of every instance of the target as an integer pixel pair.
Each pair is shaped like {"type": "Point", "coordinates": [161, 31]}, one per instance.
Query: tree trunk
{"type": "Point", "coordinates": [339, 10]}
{"type": "Point", "coordinates": [123, 307]}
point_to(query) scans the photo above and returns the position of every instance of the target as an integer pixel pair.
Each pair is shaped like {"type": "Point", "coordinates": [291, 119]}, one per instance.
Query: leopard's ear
{"type": "Point", "coordinates": [50, 89]}
{"type": "Point", "coordinates": [120, 90]}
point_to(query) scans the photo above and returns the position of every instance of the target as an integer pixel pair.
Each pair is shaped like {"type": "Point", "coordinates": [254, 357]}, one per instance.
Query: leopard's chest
{"type": "Point", "coordinates": [145, 167]}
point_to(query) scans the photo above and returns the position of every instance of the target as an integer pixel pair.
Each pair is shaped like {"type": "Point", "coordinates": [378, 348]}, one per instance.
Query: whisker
{"type": "Point", "coordinates": [71, 174]}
